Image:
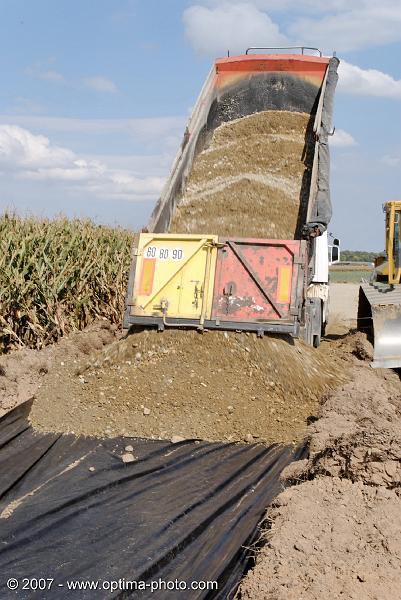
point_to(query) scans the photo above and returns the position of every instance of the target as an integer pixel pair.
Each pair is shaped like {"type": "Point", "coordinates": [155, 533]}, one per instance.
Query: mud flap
{"type": "Point", "coordinates": [379, 315]}
{"type": "Point", "coordinates": [313, 321]}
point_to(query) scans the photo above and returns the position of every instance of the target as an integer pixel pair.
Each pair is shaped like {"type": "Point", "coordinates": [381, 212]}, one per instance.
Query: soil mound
{"type": "Point", "coordinates": [215, 386]}
{"type": "Point", "coordinates": [358, 433]}
{"type": "Point", "coordinates": [331, 538]}
{"type": "Point", "coordinates": [335, 533]}
{"type": "Point", "coordinates": [252, 180]}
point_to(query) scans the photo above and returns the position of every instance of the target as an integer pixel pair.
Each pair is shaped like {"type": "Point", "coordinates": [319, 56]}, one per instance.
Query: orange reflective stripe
{"type": "Point", "coordinates": [284, 284]}
{"type": "Point", "coordinates": [147, 276]}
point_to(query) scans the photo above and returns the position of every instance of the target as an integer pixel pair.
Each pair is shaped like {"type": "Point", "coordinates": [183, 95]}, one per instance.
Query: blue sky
{"type": "Point", "coordinates": [95, 96]}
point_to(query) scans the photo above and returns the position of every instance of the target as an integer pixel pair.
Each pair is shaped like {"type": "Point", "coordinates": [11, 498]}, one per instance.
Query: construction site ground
{"type": "Point", "coordinates": [335, 530]}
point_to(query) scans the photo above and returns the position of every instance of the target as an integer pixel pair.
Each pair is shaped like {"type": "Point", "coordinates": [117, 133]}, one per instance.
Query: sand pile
{"type": "Point", "coordinates": [215, 386]}
{"type": "Point", "coordinates": [251, 179]}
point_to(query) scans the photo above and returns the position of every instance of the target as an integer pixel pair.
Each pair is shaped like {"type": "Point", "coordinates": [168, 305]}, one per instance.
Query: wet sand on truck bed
{"type": "Point", "coordinates": [251, 179]}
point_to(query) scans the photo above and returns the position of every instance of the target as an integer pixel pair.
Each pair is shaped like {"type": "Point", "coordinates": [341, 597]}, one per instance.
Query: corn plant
{"type": "Point", "coordinates": [57, 276]}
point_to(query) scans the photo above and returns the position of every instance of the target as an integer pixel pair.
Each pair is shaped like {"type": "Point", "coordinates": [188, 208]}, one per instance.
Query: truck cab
{"type": "Point", "coordinates": [326, 252]}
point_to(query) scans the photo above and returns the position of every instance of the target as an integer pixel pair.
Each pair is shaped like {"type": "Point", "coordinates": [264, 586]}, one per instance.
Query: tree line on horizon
{"type": "Point", "coordinates": [358, 256]}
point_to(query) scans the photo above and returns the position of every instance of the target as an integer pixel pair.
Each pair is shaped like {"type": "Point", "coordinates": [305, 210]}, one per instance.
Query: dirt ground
{"type": "Point", "coordinates": [335, 530]}
{"type": "Point", "coordinates": [335, 533]}
{"type": "Point", "coordinates": [251, 179]}
{"type": "Point", "coordinates": [22, 372]}
{"type": "Point", "coordinates": [344, 304]}
{"type": "Point", "coordinates": [331, 539]}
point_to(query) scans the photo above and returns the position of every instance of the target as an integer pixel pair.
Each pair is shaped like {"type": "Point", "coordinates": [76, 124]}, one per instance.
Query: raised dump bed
{"type": "Point", "coordinates": [253, 169]}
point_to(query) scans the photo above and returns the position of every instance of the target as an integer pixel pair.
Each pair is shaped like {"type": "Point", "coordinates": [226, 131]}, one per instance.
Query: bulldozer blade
{"type": "Point", "coordinates": [387, 337]}
{"type": "Point", "coordinates": [379, 314]}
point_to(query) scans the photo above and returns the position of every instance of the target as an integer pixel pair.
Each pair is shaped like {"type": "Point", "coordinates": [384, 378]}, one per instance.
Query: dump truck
{"type": "Point", "coordinates": [184, 274]}
{"type": "Point", "coordinates": [379, 306]}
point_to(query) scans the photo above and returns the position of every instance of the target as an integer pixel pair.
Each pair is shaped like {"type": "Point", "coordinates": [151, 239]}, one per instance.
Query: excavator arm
{"type": "Point", "coordinates": [393, 244]}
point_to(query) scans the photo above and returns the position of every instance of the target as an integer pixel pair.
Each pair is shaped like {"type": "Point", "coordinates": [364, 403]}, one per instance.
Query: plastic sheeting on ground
{"type": "Point", "coordinates": [70, 509]}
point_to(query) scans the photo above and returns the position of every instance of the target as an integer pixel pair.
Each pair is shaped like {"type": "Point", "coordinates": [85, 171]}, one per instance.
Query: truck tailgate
{"type": "Point", "coordinates": [208, 282]}
{"type": "Point", "coordinates": [258, 280]}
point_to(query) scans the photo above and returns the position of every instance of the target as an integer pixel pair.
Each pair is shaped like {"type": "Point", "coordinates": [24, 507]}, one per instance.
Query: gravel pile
{"type": "Point", "coordinates": [215, 386]}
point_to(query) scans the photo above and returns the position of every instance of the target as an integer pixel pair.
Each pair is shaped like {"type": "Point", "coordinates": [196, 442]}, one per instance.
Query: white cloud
{"type": "Point", "coordinates": [141, 128]}
{"type": "Point", "coordinates": [367, 82]}
{"type": "Point", "coordinates": [51, 76]}
{"type": "Point", "coordinates": [26, 105]}
{"type": "Point", "coordinates": [156, 165]}
{"type": "Point", "coordinates": [26, 156]}
{"type": "Point", "coordinates": [20, 149]}
{"type": "Point", "coordinates": [229, 26]}
{"type": "Point", "coordinates": [391, 161]}
{"type": "Point", "coordinates": [351, 26]}
{"type": "Point", "coordinates": [96, 83]}
{"type": "Point", "coordinates": [342, 139]}
{"type": "Point", "coordinates": [313, 6]}
{"type": "Point", "coordinates": [39, 72]}
{"type": "Point", "coordinates": [332, 25]}
{"type": "Point", "coordinates": [101, 84]}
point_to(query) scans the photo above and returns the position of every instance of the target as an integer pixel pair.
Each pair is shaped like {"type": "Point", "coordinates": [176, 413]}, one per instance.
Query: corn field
{"type": "Point", "coordinates": [58, 276]}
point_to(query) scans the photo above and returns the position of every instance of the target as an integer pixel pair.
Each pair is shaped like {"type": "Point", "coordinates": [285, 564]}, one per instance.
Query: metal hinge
{"type": "Point", "coordinates": [213, 244]}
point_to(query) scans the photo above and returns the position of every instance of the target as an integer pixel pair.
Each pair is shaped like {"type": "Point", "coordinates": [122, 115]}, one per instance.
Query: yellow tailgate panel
{"type": "Point", "coordinates": [174, 275]}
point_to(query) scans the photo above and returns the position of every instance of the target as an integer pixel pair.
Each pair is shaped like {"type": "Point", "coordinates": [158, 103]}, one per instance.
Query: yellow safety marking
{"type": "Point", "coordinates": [182, 264]}
{"type": "Point", "coordinates": [284, 284]}
{"type": "Point", "coordinates": [147, 276]}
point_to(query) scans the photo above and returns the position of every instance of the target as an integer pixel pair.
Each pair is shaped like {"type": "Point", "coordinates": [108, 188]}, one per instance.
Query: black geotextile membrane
{"type": "Point", "coordinates": [71, 510]}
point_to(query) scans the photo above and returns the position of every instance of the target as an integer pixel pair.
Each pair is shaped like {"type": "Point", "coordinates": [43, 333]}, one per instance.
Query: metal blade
{"type": "Point", "coordinates": [380, 309]}
{"type": "Point", "coordinates": [387, 336]}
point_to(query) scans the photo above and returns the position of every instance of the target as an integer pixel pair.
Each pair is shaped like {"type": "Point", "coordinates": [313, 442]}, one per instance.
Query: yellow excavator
{"type": "Point", "coordinates": [379, 309]}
